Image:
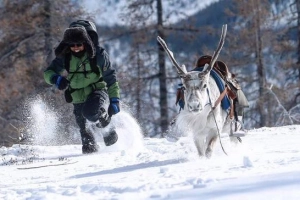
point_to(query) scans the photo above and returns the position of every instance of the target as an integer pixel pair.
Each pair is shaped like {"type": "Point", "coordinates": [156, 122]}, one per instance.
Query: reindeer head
{"type": "Point", "coordinates": [195, 83]}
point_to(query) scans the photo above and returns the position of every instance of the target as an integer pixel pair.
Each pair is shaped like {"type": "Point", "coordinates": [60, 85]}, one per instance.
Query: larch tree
{"type": "Point", "coordinates": [141, 20]}
{"type": "Point", "coordinates": [29, 31]}
{"type": "Point", "coordinates": [250, 40]}
{"type": "Point", "coordinates": [263, 53]}
{"type": "Point", "coordinates": [148, 19]}
{"type": "Point", "coordinates": [297, 96]}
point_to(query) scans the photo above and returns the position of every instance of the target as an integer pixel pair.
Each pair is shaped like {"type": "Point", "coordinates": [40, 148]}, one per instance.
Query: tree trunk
{"type": "Point", "coordinates": [48, 36]}
{"type": "Point", "coordinates": [298, 23]}
{"type": "Point", "coordinates": [138, 91]}
{"type": "Point", "coordinates": [260, 67]}
{"type": "Point", "coordinates": [162, 72]}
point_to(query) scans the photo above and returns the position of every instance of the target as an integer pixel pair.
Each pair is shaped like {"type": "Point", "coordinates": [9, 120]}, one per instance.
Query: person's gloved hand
{"type": "Point", "coordinates": [114, 106]}
{"type": "Point", "coordinates": [60, 82]}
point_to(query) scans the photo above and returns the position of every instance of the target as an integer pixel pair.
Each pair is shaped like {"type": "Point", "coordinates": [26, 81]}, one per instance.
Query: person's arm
{"type": "Point", "coordinates": [52, 74]}
{"type": "Point", "coordinates": [56, 67]}
{"type": "Point", "coordinates": [109, 74]}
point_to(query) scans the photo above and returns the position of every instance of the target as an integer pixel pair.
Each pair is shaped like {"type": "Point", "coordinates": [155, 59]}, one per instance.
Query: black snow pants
{"type": "Point", "coordinates": [92, 110]}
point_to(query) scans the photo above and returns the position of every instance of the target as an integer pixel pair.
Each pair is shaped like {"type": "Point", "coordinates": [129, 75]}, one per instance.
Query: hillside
{"type": "Point", "coordinates": [206, 14]}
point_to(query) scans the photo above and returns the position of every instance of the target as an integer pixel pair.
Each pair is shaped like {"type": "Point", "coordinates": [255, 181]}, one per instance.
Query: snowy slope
{"type": "Point", "coordinates": [265, 166]}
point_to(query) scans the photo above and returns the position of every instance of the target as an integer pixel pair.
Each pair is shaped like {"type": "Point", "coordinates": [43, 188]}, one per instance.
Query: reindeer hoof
{"type": "Point", "coordinates": [208, 153]}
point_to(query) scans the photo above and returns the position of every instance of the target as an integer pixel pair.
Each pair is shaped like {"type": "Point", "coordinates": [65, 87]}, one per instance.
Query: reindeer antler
{"type": "Point", "coordinates": [217, 52]}
{"type": "Point", "coordinates": [171, 56]}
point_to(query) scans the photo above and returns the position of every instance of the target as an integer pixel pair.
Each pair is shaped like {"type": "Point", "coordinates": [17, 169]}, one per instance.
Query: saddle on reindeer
{"type": "Point", "coordinates": [211, 100]}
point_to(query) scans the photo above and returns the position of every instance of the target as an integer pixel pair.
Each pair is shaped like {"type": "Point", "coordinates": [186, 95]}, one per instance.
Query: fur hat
{"type": "Point", "coordinates": [75, 35]}
{"type": "Point", "coordinates": [90, 27]}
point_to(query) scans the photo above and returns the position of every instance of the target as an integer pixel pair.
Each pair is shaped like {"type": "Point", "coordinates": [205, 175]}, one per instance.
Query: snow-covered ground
{"type": "Point", "coordinates": [265, 166]}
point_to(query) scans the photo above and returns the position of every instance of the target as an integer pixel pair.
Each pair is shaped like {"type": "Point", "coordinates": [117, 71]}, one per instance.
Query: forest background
{"type": "Point", "coordinates": [262, 48]}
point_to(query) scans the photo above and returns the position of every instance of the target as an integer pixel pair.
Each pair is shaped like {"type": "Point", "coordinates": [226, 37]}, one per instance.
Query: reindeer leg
{"type": "Point", "coordinates": [210, 147]}
{"type": "Point", "coordinates": [200, 143]}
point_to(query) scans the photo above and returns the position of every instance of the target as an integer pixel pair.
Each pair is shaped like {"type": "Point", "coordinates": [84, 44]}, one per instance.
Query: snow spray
{"type": "Point", "coordinates": [41, 122]}
{"type": "Point", "coordinates": [130, 136]}
{"type": "Point", "coordinates": [44, 128]}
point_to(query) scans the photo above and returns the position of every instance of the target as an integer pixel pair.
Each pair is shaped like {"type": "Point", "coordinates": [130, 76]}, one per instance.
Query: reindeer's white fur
{"type": "Point", "coordinates": [201, 123]}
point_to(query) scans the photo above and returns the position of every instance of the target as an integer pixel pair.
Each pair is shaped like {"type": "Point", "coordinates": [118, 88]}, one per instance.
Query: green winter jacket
{"type": "Point", "coordinates": [83, 79]}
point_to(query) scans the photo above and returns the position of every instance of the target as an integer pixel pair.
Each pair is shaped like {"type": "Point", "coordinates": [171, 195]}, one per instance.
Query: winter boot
{"type": "Point", "coordinates": [111, 138]}
{"type": "Point", "coordinates": [89, 148]}
{"type": "Point", "coordinates": [104, 119]}
{"type": "Point", "coordinates": [88, 143]}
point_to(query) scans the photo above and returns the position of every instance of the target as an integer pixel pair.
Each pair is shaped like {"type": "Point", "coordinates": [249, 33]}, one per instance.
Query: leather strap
{"type": "Point", "coordinates": [222, 95]}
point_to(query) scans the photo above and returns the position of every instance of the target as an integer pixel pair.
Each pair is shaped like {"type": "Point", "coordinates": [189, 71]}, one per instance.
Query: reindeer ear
{"type": "Point", "coordinates": [205, 67]}
{"type": "Point", "coordinates": [183, 68]}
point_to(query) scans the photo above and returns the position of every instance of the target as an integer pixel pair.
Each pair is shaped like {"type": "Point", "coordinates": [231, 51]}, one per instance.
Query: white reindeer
{"type": "Point", "coordinates": [201, 92]}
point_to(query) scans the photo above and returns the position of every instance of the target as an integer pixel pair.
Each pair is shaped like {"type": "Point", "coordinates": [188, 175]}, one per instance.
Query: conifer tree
{"type": "Point", "coordinates": [29, 31]}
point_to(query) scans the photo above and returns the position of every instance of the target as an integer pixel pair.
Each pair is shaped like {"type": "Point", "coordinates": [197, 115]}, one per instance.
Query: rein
{"type": "Point", "coordinates": [212, 109]}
